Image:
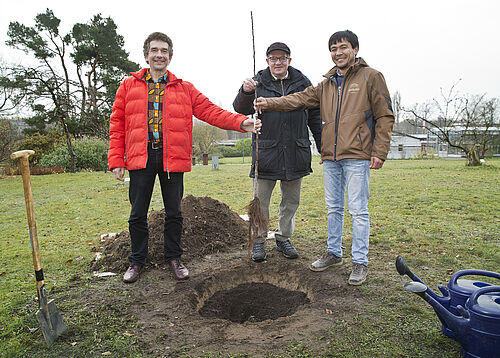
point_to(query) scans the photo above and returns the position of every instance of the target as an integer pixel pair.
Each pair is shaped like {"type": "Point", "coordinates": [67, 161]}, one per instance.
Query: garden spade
{"type": "Point", "coordinates": [47, 315]}
{"type": "Point", "coordinates": [257, 220]}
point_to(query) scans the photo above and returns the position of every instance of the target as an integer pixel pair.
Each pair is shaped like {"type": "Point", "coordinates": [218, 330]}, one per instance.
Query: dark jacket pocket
{"type": "Point", "coordinates": [303, 155]}
{"type": "Point", "coordinates": [269, 156]}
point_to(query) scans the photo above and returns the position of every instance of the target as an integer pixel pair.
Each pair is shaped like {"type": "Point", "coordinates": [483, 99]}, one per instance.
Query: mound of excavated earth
{"type": "Point", "coordinates": [210, 226]}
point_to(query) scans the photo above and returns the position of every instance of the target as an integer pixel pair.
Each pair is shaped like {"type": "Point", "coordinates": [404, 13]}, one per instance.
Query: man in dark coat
{"type": "Point", "coordinates": [284, 145]}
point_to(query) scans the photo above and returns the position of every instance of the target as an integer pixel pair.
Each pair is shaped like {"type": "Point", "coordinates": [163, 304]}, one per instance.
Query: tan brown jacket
{"type": "Point", "coordinates": [357, 117]}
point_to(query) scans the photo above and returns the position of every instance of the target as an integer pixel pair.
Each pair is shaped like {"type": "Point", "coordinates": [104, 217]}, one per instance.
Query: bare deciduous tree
{"type": "Point", "coordinates": [396, 106]}
{"type": "Point", "coordinates": [11, 89]}
{"type": "Point", "coordinates": [205, 136]}
{"type": "Point", "coordinates": [465, 122]}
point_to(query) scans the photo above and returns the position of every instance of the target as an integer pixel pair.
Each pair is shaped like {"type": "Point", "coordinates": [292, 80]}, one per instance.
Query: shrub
{"type": "Point", "coordinates": [42, 144]}
{"type": "Point", "coordinates": [90, 154]}
{"type": "Point", "coordinates": [428, 154]}
{"type": "Point", "coordinates": [228, 151]}
{"type": "Point", "coordinates": [237, 150]}
{"type": "Point", "coordinates": [8, 135]}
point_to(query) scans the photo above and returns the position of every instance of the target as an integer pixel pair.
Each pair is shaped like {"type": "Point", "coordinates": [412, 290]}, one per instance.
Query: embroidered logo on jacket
{"type": "Point", "coordinates": [353, 88]}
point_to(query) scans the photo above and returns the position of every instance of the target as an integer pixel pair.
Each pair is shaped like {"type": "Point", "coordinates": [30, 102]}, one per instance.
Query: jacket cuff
{"type": "Point", "coordinates": [239, 127]}
{"type": "Point", "coordinates": [247, 93]}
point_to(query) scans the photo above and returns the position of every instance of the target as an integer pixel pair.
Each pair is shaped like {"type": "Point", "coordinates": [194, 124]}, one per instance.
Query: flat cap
{"type": "Point", "coordinates": [278, 46]}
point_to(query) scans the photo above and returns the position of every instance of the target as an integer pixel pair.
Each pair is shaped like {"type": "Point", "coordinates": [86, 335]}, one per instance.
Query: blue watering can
{"type": "Point", "coordinates": [457, 292]}
{"type": "Point", "coordinates": [477, 324]}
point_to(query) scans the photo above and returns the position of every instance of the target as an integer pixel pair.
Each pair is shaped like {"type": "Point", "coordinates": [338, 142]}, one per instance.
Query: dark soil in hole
{"type": "Point", "coordinates": [209, 227]}
{"type": "Point", "coordinates": [253, 302]}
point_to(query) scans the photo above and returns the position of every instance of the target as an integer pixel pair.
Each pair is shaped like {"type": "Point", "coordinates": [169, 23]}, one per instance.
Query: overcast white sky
{"type": "Point", "coordinates": [419, 46]}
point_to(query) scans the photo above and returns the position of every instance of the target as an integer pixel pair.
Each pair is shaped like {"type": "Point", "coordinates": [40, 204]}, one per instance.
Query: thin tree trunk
{"type": "Point", "coordinates": [473, 159]}
{"type": "Point", "coordinates": [84, 92]}
{"type": "Point", "coordinates": [69, 144]}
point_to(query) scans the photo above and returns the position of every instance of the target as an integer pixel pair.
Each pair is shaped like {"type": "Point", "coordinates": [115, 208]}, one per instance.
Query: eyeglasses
{"type": "Point", "coordinates": [274, 59]}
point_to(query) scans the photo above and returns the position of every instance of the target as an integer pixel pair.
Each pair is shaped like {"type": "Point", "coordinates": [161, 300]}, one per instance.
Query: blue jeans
{"type": "Point", "coordinates": [141, 189]}
{"type": "Point", "coordinates": [353, 174]}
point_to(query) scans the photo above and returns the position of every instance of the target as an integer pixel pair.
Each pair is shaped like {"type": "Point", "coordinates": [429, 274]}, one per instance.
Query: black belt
{"type": "Point", "coordinates": [155, 145]}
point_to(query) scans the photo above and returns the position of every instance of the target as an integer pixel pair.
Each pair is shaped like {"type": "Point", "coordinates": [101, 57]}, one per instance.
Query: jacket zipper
{"type": "Point", "coordinates": [126, 146]}
{"type": "Point", "coordinates": [147, 125]}
{"type": "Point", "coordinates": [284, 156]}
{"type": "Point", "coordinates": [190, 146]}
{"type": "Point", "coordinates": [337, 115]}
{"type": "Point", "coordinates": [164, 127]}
{"type": "Point", "coordinates": [340, 97]}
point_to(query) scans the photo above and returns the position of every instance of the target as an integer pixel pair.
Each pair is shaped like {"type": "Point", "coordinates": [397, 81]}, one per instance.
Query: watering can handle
{"type": "Point", "coordinates": [455, 277]}
{"type": "Point", "coordinates": [444, 291]}
{"type": "Point", "coordinates": [463, 312]}
{"type": "Point", "coordinates": [475, 295]}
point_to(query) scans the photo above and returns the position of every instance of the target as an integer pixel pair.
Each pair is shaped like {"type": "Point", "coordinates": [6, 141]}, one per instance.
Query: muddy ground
{"type": "Point", "coordinates": [230, 304]}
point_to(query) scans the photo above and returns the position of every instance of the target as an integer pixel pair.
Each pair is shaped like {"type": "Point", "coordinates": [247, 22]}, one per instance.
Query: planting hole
{"type": "Point", "coordinates": [253, 302]}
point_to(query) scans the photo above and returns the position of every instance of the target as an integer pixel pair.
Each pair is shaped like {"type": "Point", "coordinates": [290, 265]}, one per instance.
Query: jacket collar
{"type": "Point", "coordinates": [264, 77]}
{"type": "Point", "coordinates": [359, 63]}
{"type": "Point", "coordinates": [172, 79]}
{"type": "Point", "coordinates": [287, 76]}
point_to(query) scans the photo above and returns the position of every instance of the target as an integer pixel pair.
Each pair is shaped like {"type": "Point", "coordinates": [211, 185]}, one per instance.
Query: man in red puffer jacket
{"type": "Point", "coordinates": [151, 134]}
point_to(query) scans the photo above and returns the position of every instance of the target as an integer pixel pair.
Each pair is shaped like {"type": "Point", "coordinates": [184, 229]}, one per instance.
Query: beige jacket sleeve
{"type": "Point", "coordinates": [309, 98]}
{"type": "Point", "coordinates": [382, 113]}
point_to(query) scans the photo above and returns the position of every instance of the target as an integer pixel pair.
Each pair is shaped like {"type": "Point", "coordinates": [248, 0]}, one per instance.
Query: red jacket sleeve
{"type": "Point", "coordinates": [116, 152]}
{"type": "Point", "coordinates": [208, 112]}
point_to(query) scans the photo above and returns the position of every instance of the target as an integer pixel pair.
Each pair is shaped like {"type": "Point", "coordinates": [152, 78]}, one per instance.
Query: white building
{"type": "Point", "coordinates": [406, 146]}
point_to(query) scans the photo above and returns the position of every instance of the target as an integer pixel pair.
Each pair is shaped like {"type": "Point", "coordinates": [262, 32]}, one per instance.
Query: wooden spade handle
{"type": "Point", "coordinates": [22, 153]}
{"type": "Point", "coordinates": [30, 212]}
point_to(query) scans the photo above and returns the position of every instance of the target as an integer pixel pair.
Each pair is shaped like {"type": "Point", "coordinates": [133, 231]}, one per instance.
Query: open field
{"type": "Point", "coordinates": [440, 215]}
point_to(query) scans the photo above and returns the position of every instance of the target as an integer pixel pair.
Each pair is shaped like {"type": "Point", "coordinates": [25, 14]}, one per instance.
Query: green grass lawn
{"type": "Point", "coordinates": [441, 215]}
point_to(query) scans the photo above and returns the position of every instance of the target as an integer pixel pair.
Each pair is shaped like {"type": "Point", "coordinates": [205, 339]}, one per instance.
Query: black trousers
{"type": "Point", "coordinates": [140, 192]}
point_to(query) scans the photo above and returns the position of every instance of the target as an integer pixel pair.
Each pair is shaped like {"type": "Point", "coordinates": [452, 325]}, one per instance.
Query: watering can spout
{"type": "Point", "coordinates": [459, 325]}
{"type": "Point", "coordinates": [403, 269]}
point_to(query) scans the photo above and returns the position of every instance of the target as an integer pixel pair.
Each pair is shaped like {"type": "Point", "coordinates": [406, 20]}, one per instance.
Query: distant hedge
{"type": "Point", "coordinates": [42, 144]}
{"type": "Point", "coordinates": [90, 154]}
{"type": "Point", "coordinates": [237, 150]}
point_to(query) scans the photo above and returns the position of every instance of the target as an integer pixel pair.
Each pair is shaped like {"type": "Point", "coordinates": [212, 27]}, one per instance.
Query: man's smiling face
{"type": "Point", "coordinates": [158, 56]}
{"type": "Point", "coordinates": [343, 55]}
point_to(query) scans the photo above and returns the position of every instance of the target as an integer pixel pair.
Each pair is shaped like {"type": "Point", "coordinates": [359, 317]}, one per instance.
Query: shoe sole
{"type": "Point", "coordinates": [181, 279]}
{"type": "Point", "coordinates": [128, 281]}
{"type": "Point", "coordinates": [326, 267]}
{"type": "Point", "coordinates": [356, 283]}
{"type": "Point", "coordinates": [287, 256]}
{"type": "Point", "coordinates": [259, 260]}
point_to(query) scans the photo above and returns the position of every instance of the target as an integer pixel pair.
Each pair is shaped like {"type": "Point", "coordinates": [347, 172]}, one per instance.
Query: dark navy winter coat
{"type": "Point", "coordinates": [284, 146]}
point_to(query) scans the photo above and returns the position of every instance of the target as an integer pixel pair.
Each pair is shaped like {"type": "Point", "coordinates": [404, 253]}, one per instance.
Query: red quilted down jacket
{"type": "Point", "coordinates": [128, 129]}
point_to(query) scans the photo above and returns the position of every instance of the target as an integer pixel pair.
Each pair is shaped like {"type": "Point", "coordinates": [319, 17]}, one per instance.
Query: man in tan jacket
{"type": "Point", "coordinates": [357, 124]}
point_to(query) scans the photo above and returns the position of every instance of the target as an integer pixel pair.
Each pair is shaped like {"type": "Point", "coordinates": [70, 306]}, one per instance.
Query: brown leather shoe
{"type": "Point", "coordinates": [132, 273]}
{"type": "Point", "coordinates": [180, 271]}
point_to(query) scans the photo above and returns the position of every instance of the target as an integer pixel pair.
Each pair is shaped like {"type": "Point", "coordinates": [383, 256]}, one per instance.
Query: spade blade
{"type": "Point", "coordinates": [50, 321]}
